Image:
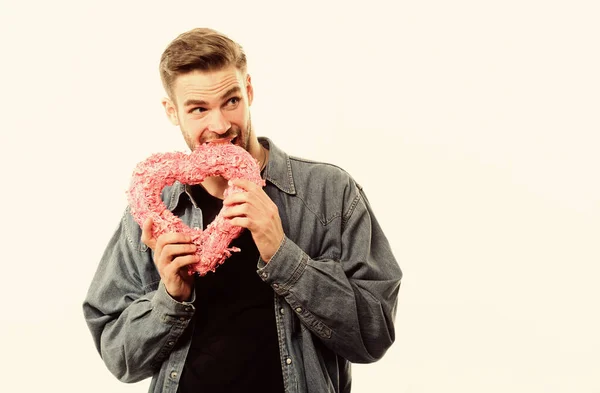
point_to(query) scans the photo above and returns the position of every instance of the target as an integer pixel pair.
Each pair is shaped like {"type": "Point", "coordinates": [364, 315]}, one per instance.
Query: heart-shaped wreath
{"type": "Point", "coordinates": [163, 169]}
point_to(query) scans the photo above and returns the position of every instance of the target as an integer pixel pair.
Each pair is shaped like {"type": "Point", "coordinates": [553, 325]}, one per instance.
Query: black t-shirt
{"type": "Point", "coordinates": [234, 342]}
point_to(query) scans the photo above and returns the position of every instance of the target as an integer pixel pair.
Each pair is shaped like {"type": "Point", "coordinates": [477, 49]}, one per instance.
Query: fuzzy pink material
{"type": "Point", "coordinates": [163, 169]}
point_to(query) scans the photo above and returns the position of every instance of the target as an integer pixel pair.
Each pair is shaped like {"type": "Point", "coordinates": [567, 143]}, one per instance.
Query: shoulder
{"type": "Point", "coordinates": [318, 172]}
{"type": "Point", "coordinates": [325, 186]}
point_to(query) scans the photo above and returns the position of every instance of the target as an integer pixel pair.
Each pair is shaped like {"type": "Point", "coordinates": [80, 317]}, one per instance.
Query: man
{"type": "Point", "coordinates": [314, 288]}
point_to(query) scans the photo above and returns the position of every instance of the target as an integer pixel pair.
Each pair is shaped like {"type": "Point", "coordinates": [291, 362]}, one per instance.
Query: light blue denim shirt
{"type": "Point", "coordinates": [335, 284]}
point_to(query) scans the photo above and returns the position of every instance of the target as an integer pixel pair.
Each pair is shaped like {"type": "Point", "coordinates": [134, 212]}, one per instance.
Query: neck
{"type": "Point", "coordinates": [215, 186]}
{"type": "Point", "coordinates": [262, 162]}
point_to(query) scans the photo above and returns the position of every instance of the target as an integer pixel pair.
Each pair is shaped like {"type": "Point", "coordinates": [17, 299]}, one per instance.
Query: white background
{"type": "Point", "coordinates": [472, 125]}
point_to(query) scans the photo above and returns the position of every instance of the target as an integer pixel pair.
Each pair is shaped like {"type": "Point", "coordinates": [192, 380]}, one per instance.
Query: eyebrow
{"type": "Point", "coordinates": [190, 102]}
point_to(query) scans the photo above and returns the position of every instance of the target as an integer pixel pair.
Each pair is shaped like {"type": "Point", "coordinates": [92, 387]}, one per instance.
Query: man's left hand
{"type": "Point", "coordinates": [254, 210]}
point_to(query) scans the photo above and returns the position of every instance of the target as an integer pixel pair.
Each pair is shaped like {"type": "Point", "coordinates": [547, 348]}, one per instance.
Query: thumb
{"type": "Point", "coordinates": [147, 237]}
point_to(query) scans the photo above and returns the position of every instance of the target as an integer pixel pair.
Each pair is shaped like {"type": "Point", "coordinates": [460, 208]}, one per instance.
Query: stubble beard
{"type": "Point", "coordinates": [242, 139]}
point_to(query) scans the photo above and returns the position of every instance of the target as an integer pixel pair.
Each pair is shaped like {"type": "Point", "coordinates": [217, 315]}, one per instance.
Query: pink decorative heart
{"type": "Point", "coordinates": [162, 169]}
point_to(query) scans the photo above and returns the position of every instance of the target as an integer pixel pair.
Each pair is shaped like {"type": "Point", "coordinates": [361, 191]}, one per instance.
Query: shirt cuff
{"type": "Point", "coordinates": [169, 309]}
{"type": "Point", "coordinates": [285, 267]}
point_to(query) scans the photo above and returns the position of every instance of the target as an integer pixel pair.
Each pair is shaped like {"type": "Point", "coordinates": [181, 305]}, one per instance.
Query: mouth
{"type": "Point", "coordinates": [232, 140]}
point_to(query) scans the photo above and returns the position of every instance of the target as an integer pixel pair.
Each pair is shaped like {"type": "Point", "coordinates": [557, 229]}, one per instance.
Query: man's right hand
{"type": "Point", "coordinates": [173, 252]}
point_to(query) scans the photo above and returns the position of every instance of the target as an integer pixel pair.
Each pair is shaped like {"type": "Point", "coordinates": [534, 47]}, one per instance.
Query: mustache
{"type": "Point", "coordinates": [230, 134]}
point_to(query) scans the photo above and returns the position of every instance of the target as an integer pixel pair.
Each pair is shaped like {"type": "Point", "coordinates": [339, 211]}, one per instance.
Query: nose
{"type": "Point", "coordinates": [217, 123]}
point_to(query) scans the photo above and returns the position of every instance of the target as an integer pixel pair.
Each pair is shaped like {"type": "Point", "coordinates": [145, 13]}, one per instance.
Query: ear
{"type": "Point", "coordinates": [170, 110]}
{"type": "Point", "coordinates": [249, 89]}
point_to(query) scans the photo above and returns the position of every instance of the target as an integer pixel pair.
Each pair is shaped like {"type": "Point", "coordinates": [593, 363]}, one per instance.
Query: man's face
{"type": "Point", "coordinates": [212, 105]}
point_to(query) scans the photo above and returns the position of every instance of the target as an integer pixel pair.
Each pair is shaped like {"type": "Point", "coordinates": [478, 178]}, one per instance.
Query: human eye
{"type": "Point", "coordinates": [197, 110]}
{"type": "Point", "coordinates": [233, 102]}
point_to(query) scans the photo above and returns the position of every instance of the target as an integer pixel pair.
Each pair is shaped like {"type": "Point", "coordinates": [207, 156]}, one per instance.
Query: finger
{"type": "Point", "coordinates": [243, 222]}
{"type": "Point", "coordinates": [178, 263]}
{"type": "Point", "coordinates": [256, 197]}
{"type": "Point", "coordinates": [171, 238]}
{"type": "Point", "coordinates": [245, 184]}
{"type": "Point", "coordinates": [187, 276]}
{"type": "Point", "coordinates": [236, 210]}
{"type": "Point", "coordinates": [236, 198]}
{"type": "Point", "coordinates": [171, 251]}
{"type": "Point", "coordinates": [147, 237]}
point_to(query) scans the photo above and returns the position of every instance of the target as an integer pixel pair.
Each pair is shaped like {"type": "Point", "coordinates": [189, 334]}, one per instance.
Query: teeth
{"type": "Point", "coordinates": [219, 140]}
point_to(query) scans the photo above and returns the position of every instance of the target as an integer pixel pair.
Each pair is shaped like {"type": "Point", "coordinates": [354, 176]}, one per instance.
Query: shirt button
{"type": "Point", "coordinates": [298, 309]}
{"type": "Point", "coordinates": [281, 310]}
{"type": "Point", "coordinates": [173, 374]}
{"type": "Point", "coordinates": [288, 361]}
{"type": "Point", "coordinates": [275, 285]}
{"type": "Point", "coordinates": [182, 319]}
{"type": "Point", "coordinates": [188, 309]}
{"type": "Point", "coordinates": [264, 275]}
{"type": "Point", "coordinates": [171, 343]}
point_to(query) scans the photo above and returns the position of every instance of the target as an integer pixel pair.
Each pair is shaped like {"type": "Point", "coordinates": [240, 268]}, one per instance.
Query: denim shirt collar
{"type": "Point", "coordinates": [279, 168]}
{"type": "Point", "coordinates": [277, 172]}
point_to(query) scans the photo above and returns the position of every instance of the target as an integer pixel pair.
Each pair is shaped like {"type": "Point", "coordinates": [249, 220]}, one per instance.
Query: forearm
{"type": "Point", "coordinates": [134, 322]}
{"type": "Point", "coordinates": [353, 316]}
{"type": "Point", "coordinates": [135, 342]}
